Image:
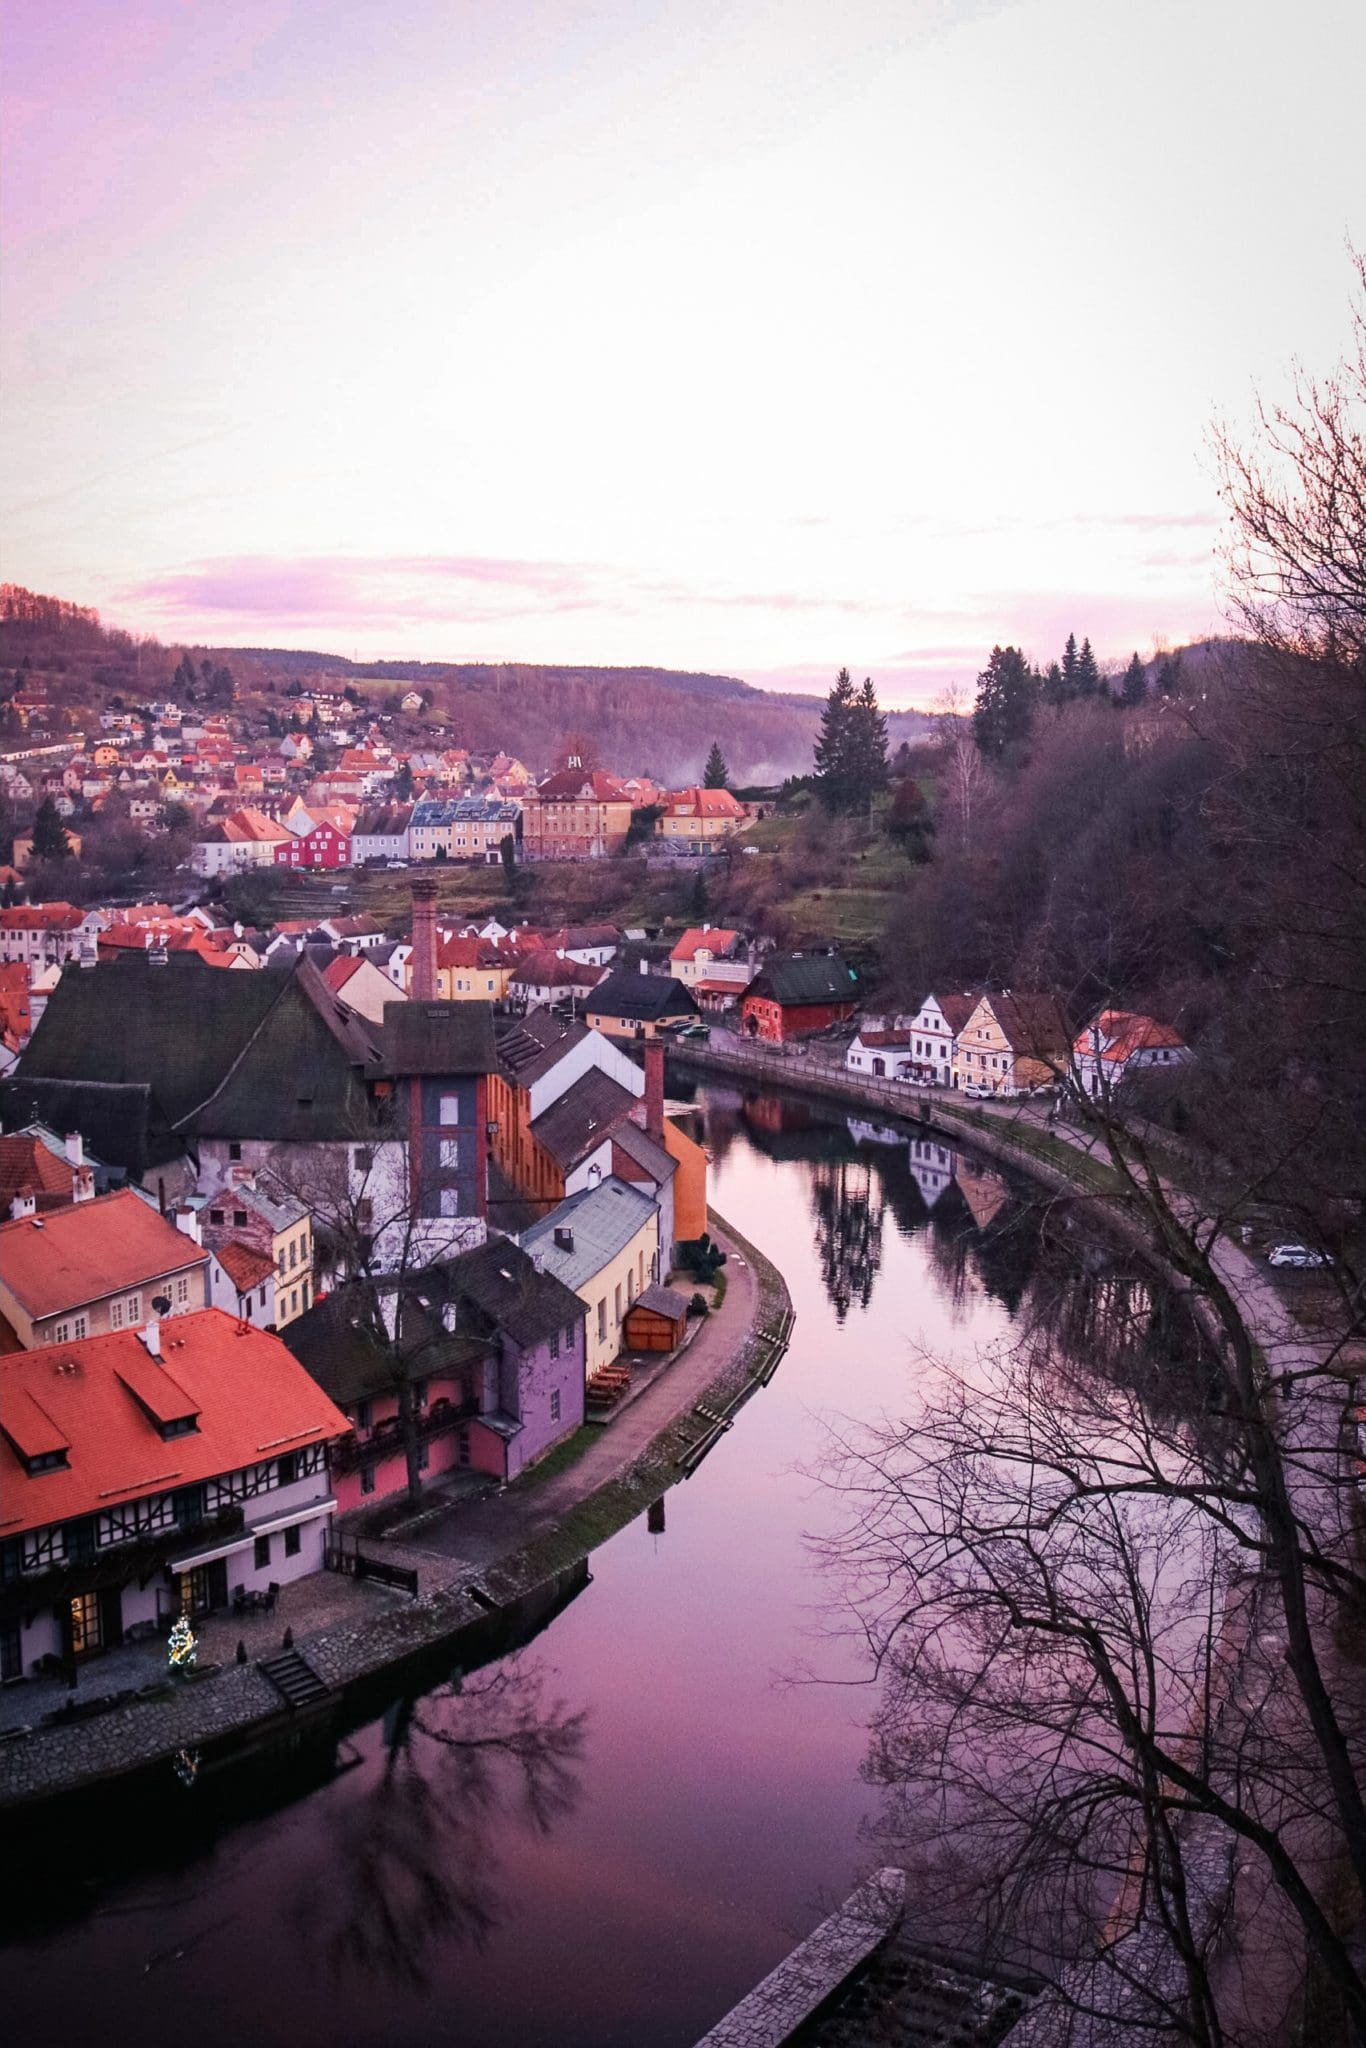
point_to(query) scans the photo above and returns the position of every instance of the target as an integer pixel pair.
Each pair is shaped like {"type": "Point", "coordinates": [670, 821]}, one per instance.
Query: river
{"type": "Point", "coordinates": [611, 1835]}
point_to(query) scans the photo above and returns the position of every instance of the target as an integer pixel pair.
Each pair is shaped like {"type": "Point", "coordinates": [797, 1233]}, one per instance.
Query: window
{"type": "Point", "coordinates": [569, 1334]}
{"type": "Point", "coordinates": [450, 1152]}
{"type": "Point", "coordinates": [303, 1293]}
{"type": "Point", "coordinates": [61, 1333]}
{"type": "Point", "coordinates": [367, 1478]}
{"type": "Point", "coordinates": [182, 1290]}
{"type": "Point", "coordinates": [287, 1469]}
{"type": "Point", "coordinates": [294, 1301]}
{"type": "Point", "coordinates": [261, 1301]}
{"type": "Point", "coordinates": [554, 1343]}
{"type": "Point", "coordinates": [362, 1159]}
{"type": "Point", "coordinates": [239, 1219]}
{"type": "Point", "coordinates": [234, 1150]}
{"type": "Point", "coordinates": [450, 1109]}
{"type": "Point", "coordinates": [616, 1303]}
{"type": "Point", "coordinates": [293, 1541]}
{"type": "Point", "coordinates": [602, 1320]}
{"type": "Point", "coordinates": [293, 1251]}
{"type": "Point", "coordinates": [450, 1201]}
{"type": "Point", "coordinates": [554, 1404]}
{"type": "Point", "coordinates": [280, 1263]}
{"type": "Point", "coordinates": [216, 1215]}
{"type": "Point", "coordinates": [261, 1553]}
{"type": "Point", "coordinates": [133, 1308]}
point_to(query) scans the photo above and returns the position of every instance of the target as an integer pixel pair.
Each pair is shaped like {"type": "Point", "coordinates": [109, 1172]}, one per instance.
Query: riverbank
{"type": "Point", "coordinates": [540, 1529]}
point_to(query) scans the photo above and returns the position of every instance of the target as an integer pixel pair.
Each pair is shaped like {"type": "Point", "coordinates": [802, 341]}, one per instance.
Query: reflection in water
{"type": "Point", "coordinates": [414, 1863]}
{"type": "Point", "coordinates": [847, 1198]}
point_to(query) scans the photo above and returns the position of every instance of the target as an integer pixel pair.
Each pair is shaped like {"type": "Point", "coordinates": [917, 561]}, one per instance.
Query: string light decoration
{"type": "Point", "coordinates": [180, 1645]}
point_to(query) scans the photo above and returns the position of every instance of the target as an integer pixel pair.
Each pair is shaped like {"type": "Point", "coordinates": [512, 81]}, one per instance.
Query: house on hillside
{"type": "Point", "coordinates": [246, 1220]}
{"type": "Point", "coordinates": [1012, 1042]}
{"type": "Point", "coordinates": [1118, 1043]}
{"type": "Point", "coordinates": [698, 821]}
{"type": "Point", "coordinates": [149, 1473]}
{"type": "Point", "coordinates": [796, 994]}
{"type": "Point", "coordinates": [323, 845]}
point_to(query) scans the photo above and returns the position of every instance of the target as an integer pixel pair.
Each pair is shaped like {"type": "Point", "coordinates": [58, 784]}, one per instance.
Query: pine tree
{"type": "Point", "coordinates": [49, 834]}
{"type": "Point", "coordinates": [868, 753]}
{"type": "Point", "coordinates": [1053, 690]}
{"type": "Point", "coordinates": [715, 774]}
{"type": "Point", "coordinates": [1069, 670]}
{"type": "Point", "coordinates": [832, 756]}
{"type": "Point", "coordinates": [1088, 672]}
{"type": "Point", "coordinates": [1169, 676]}
{"type": "Point", "coordinates": [1007, 691]}
{"type": "Point", "coordinates": [1135, 683]}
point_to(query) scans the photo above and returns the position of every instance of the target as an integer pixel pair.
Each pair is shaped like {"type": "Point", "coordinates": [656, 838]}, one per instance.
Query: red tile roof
{"type": "Point", "coordinates": [96, 1400]}
{"type": "Point", "coordinates": [716, 939]}
{"type": "Point", "coordinates": [28, 1167]}
{"type": "Point", "coordinates": [95, 1248]}
{"type": "Point", "coordinates": [1119, 1034]}
{"type": "Point", "coordinates": [244, 1265]}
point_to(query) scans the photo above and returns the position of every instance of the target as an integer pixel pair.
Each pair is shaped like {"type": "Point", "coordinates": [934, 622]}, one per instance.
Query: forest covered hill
{"type": "Point", "coordinates": [646, 720]}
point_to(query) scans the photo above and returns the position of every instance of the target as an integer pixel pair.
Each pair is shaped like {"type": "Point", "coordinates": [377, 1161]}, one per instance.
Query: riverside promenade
{"type": "Point", "coordinates": [475, 1562]}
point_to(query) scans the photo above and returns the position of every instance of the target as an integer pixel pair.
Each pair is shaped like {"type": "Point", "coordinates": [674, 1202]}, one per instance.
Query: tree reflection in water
{"type": "Point", "coordinates": [414, 1862]}
{"type": "Point", "coordinates": [847, 1198]}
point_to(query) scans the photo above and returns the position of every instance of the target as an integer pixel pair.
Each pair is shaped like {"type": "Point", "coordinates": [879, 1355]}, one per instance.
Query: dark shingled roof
{"type": "Point", "coordinates": [502, 1281]}
{"type": "Point", "coordinates": [642, 997]}
{"type": "Point", "coordinates": [662, 1301]}
{"type": "Point", "coordinates": [806, 978]}
{"type": "Point", "coordinates": [122, 1123]}
{"type": "Point", "coordinates": [339, 1346]}
{"type": "Point", "coordinates": [530, 1046]}
{"type": "Point", "coordinates": [271, 1055]}
{"type": "Point", "coordinates": [437, 1038]}
{"type": "Point", "coordinates": [584, 1115]}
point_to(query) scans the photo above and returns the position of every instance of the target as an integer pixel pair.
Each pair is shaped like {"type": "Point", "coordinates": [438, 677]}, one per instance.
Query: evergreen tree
{"type": "Point", "coordinates": [1135, 683]}
{"type": "Point", "coordinates": [715, 775]}
{"type": "Point", "coordinates": [833, 745]}
{"type": "Point", "coordinates": [1169, 676]}
{"type": "Point", "coordinates": [1070, 687]}
{"type": "Point", "coordinates": [1088, 672]}
{"type": "Point", "coordinates": [49, 834]}
{"type": "Point", "coordinates": [868, 752]}
{"type": "Point", "coordinates": [699, 894]}
{"type": "Point", "coordinates": [1007, 691]}
{"type": "Point", "coordinates": [1053, 689]}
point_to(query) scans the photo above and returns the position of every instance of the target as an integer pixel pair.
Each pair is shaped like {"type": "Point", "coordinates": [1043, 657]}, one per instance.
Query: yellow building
{"type": "Point", "coordinates": [604, 1244]}
{"type": "Point", "coordinates": [699, 820]}
{"type": "Point", "coordinates": [1010, 1043]}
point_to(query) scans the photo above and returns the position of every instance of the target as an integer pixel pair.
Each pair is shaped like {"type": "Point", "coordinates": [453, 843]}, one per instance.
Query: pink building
{"type": "Point", "coordinates": [323, 847]}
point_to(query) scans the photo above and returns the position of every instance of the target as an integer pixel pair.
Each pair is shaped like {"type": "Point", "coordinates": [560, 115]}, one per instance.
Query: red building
{"type": "Point", "coordinates": [323, 847]}
{"type": "Point", "coordinates": [798, 994]}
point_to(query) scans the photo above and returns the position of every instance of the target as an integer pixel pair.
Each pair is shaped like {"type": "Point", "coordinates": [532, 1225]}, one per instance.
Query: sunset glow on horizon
{"type": "Point", "coordinates": [757, 339]}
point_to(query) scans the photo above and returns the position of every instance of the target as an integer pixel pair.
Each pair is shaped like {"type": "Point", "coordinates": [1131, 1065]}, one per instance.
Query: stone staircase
{"type": "Point", "coordinates": [294, 1678]}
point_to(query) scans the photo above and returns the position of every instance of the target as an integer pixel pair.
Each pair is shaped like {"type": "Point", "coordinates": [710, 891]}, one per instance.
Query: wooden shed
{"type": "Point", "coordinates": [656, 1320]}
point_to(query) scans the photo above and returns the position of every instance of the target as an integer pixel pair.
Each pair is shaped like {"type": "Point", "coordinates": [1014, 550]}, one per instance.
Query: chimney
{"type": "Point", "coordinates": [424, 940]}
{"type": "Point", "coordinates": [564, 1238]}
{"type": "Point", "coordinates": [654, 1089]}
{"type": "Point", "coordinates": [150, 1334]}
{"type": "Point", "coordinates": [22, 1205]}
{"type": "Point", "coordinates": [83, 1184]}
{"type": "Point", "coordinates": [644, 966]}
{"type": "Point", "coordinates": [75, 1149]}
{"type": "Point", "coordinates": [186, 1222]}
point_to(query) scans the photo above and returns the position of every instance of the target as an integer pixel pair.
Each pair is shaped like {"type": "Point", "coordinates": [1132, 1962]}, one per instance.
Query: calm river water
{"type": "Point", "coordinates": [611, 1835]}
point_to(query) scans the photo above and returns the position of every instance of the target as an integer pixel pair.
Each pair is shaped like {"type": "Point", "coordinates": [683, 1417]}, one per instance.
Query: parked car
{"type": "Point", "coordinates": [1296, 1255]}
{"type": "Point", "coordinates": [978, 1089]}
{"type": "Point", "coordinates": [695, 1031]}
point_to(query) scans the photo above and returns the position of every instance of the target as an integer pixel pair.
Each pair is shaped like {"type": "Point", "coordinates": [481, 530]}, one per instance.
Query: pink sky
{"type": "Point", "coordinates": [757, 338]}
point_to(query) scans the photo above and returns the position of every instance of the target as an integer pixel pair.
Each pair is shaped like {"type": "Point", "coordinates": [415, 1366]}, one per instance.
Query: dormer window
{"type": "Point", "coordinates": [46, 1461]}
{"type": "Point", "coordinates": [178, 1425]}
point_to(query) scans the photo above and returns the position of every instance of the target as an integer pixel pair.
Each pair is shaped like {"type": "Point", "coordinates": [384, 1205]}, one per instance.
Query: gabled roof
{"type": "Point", "coordinates": [582, 1118]}
{"type": "Point", "coordinates": [636, 1156]}
{"type": "Point", "coordinates": [798, 978]}
{"type": "Point", "coordinates": [530, 1046]}
{"type": "Point", "coordinates": [601, 1221]}
{"type": "Point", "coordinates": [571, 785]}
{"type": "Point", "coordinates": [955, 1008]}
{"type": "Point", "coordinates": [549, 970]}
{"type": "Point", "coordinates": [1116, 1035]}
{"type": "Point", "coordinates": [1032, 1024]}
{"type": "Point", "coordinates": [504, 1282]}
{"type": "Point", "coordinates": [28, 1167]}
{"type": "Point", "coordinates": [714, 939]}
{"type": "Point", "coordinates": [122, 1123]}
{"type": "Point", "coordinates": [662, 1301]}
{"type": "Point", "coordinates": [80, 1253]}
{"type": "Point", "coordinates": [98, 1401]}
{"type": "Point", "coordinates": [628, 994]}
{"type": "Point", "coordinates": [244, 1265]}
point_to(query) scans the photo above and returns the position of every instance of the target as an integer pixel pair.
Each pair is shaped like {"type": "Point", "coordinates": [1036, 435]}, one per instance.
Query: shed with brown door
{"type": "Point", "coordinates": [657, 1320]}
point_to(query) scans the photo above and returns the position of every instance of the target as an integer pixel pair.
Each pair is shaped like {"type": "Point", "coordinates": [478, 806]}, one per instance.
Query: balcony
{"type": "Point", "coordinates": [115, 1564]}
{"type": "Point", "coordinates": [385, 1440]}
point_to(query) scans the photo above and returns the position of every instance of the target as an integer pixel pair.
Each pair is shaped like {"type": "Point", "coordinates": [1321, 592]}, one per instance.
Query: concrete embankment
{"type": "Point", "coordinates": [549, 1528]}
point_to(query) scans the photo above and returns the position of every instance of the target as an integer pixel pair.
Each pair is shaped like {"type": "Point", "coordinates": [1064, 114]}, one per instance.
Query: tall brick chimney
{"type": "Point", "coordinates": [424, 940]}
{"type": "Point", "coordinates": [654, 1089]}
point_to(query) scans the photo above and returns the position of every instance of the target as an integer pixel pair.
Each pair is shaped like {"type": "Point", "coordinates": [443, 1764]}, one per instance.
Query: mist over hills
{"type": "Point", "coordinates": [644, 719]}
